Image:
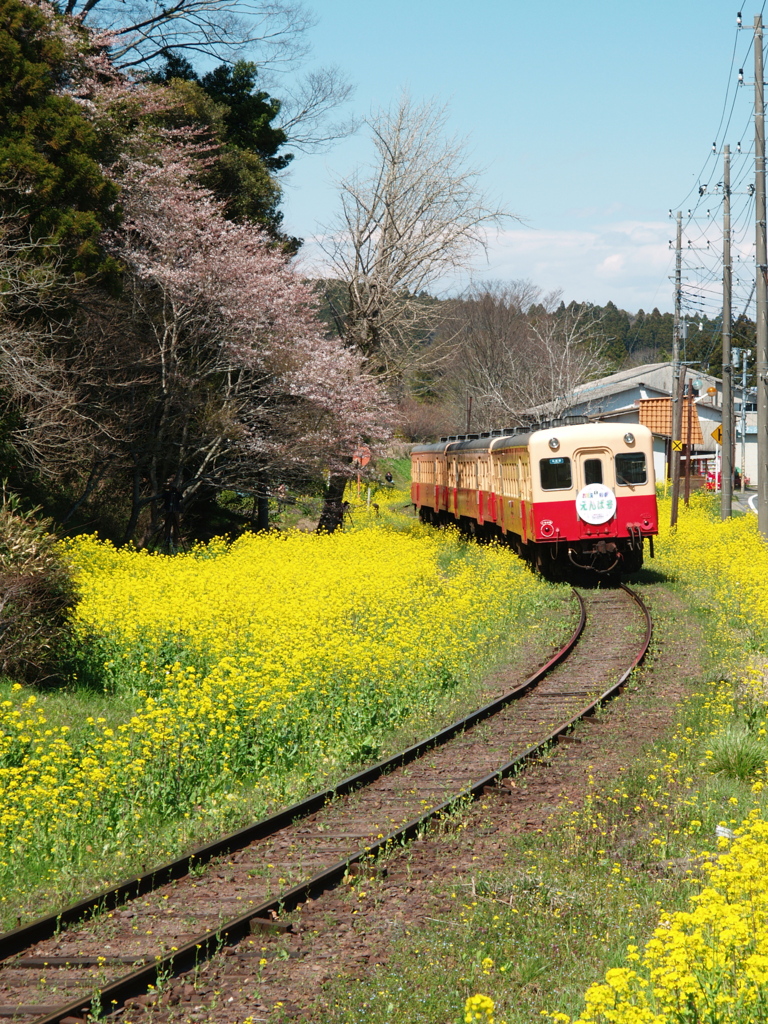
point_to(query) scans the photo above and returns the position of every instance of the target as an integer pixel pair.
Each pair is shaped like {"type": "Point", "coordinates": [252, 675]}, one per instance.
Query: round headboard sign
{"type": "Point", "coordinates": [596, 504]}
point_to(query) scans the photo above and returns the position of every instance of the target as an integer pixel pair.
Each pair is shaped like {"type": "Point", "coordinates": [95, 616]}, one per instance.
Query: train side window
{"type": "Point", "coordinates": [593, 471]}
{"type": "Point", "coordinates": [631, 468]}
{"type": "Point", "coordinates": [525, 479]}
{"type": "Point", "coordinates": [555, 474]}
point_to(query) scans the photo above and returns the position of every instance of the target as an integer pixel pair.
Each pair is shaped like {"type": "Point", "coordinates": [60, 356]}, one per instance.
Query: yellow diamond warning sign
{"type": "Point", "coordinates": [677, 446]}
{"type": "Point", "coordinates": [717, 433]}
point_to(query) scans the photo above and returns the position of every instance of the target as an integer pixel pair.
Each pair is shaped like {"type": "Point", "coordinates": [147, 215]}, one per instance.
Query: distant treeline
{"type": "Point", "coordinates": [647, 337]}
{"type": "Point", "coordinates": [627, 338]}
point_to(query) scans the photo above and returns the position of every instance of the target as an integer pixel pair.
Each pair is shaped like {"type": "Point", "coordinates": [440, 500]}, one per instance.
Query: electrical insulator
{"type": "Point", "coordinates": [738, 19]}
{"type": "Point", "coordinates": [741, 76]}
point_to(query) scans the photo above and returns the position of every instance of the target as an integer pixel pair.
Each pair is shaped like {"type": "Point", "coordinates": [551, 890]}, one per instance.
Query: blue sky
{"type": "Point", "coordinates": [591, 119]}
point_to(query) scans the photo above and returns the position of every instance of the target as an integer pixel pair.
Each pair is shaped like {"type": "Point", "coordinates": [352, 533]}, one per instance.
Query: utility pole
{"type": "Point", "coordinates": [677, 404]}
{"type": "Point", "coordinates": [726, 494]}
{"type": "Point", "coordinates": [740, 355]}
{"type": "Point", "coordinates": [689, 446]}
{"type": "Point", "coordinates": [743, 420]}
{"type": "Point", "coordinates": [761, 287]}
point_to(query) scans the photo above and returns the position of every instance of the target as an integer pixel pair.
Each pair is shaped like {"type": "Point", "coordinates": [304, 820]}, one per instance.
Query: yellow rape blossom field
{"type": "Point", "coordinates": [725, 564]}
{"type": "Point", "coordinates": [709, 962]}
{"type": "Point", "coordinates": [706, 964]}
{"type": "Point", "coordinates": [647, 903]}
{"type": "Point", "coordinates": [272, 664]}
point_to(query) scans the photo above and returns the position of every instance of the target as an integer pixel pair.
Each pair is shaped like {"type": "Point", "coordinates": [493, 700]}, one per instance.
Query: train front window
{"type": "Point", "coordinates": [593, 471]}
{"type": "Point", "coordinates": [631, 469]}
{"type": "Point", "coordinates": [555, 474]}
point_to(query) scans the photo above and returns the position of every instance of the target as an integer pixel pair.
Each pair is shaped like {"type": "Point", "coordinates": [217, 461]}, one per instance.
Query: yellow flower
{"type": "Point", "coordinates": [479, 1008]}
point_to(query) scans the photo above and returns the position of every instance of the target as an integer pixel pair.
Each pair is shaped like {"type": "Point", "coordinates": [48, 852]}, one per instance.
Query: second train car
{"type": "Point", "coordinates": [561, 493]}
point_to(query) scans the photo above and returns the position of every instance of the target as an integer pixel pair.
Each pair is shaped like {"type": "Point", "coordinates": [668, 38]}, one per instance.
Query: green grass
{"type": "Point", "coordinates": [535, 930]}
{"type": "Point", "coordinates": [531, 933]}
{"type": "Point", "coordinates": [737, 753]}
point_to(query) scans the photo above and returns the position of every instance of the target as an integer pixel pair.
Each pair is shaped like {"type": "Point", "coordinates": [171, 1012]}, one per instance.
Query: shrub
{"type": "Point", "coordinates": [35, 595]}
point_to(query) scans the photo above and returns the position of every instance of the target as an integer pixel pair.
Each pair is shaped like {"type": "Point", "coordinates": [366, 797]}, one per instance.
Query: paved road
{"type": "Point", "coordinates": [744, 502]}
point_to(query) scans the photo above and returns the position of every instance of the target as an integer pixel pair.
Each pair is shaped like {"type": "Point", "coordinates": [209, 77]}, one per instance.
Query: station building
{"type": "Point", "coordinates": [642, 394]}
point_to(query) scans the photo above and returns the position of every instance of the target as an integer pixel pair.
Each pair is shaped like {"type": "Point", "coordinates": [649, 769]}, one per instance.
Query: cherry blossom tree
{"type": "Point", "coordinates": [202, 365]}
{"type": "Point", "coordinates": [242, 385]}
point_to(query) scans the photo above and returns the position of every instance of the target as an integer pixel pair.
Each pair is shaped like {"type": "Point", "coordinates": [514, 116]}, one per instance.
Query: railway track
{"type": "Point", "coordinates": [102, 952]}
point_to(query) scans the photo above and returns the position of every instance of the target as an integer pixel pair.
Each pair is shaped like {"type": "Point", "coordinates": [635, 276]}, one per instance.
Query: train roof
{"type": "Point", "coordinates": [516, 437]}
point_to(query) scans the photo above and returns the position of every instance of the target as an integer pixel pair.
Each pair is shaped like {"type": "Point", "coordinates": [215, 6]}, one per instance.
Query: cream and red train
{"type": "Point", "coordinates": [560, 493]}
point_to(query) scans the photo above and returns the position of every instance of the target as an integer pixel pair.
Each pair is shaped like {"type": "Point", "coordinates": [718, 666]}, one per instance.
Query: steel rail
{"type": "Point", "coordinates": [15, 941]}
{"type": "Point", "coordinates": [187, 957]}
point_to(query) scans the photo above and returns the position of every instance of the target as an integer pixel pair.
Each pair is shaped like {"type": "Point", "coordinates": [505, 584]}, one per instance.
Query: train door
{"type": "Point", "coordinates": [482, 489]}
{"type": "Point", "coordinates": [463, 483]}
{"type": "Point", "coordinates": [526, 496]}
{"type": "Point", "coordinates": [593, 466]}
{"type": "Point", "coordinates": [453, 484]}
{"type": "Point", "coordinates": [440, 501]}
{"type": "Point", "coordinates": [506, 469]}
{"type": "Point", "coordinates": [596, 488]}
{"type": "Point", "coordinates": [497, 500]}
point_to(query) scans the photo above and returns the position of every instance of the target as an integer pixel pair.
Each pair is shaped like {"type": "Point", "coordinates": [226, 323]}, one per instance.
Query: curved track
{"type": "Point", "coordinates": [169, 920]}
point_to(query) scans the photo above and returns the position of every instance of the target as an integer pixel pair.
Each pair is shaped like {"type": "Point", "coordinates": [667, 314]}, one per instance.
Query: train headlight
{"type": "Point", "coordinates": [629, 438]}
{"type": "Point", "coordinates": [554, 444]}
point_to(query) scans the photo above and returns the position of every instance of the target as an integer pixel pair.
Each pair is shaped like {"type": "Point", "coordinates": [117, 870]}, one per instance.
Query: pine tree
{"type": "Point", "coordinates": [49, 150]}
{"type": "Point", "coordinates": [249, 153]}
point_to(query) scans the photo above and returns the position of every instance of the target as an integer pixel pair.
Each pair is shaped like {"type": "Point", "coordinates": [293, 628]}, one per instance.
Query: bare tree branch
{"type": "Point", "coordinates": [416, 216]}
{"type": "Point", "coordinates": [273, 32]}
{"type": "Point", "coordinates": [304, 111]}
{"type": "Point", "coordinates": [516, 348]}
{"type": "Point", "coordinates": [141, 30]}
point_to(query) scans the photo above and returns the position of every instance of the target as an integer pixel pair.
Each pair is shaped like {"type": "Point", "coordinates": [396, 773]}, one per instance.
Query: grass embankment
{"type": "Point", "coordinates": [628, 867]}
{"type": "Point", "coordinates": [215, 685]}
